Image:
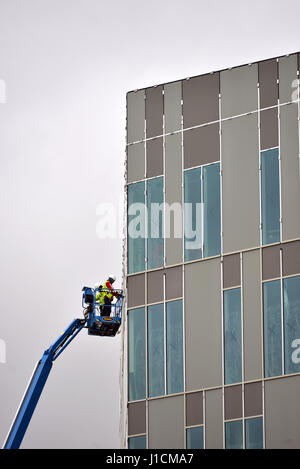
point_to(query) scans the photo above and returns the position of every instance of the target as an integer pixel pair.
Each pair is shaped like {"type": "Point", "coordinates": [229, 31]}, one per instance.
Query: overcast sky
{"type": "Point", "coordinates": [66, 66]}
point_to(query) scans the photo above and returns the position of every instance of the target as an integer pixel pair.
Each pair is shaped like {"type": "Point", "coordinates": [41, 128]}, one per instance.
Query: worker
{"type": "Point", "coordinates": [106, 295]}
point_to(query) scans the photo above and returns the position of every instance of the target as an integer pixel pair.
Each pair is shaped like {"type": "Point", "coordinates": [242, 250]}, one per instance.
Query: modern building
{"type": "Point", "coordinates": [211, 348]}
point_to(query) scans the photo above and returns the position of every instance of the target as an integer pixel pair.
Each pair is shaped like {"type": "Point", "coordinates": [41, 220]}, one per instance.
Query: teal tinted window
{"type": "Point", "coordinates": [270, 198]}
{"type": "Point", "coordinates": [234, 434]}
{"type": "Point", "coordinates": [155, 198]}
{"type": "Point", "coordinates": [254, 433]}
{"type": "Point", "coordinates": [137, 442]}
{"type": "Point", "coordinates": [156, 350]}
{"type": "Point", "coordinates": [136, 227]}
{"type": "Point", "coordinates": [212, 210]}
{"type": "Point", "coordinates": [192, 214]}
{"type": "Point", "coordinates": [137, 354]}
{"type": "Point", "coordinates": [202, 212]}
{"type": "Point", "coordinates": [232, 336]}
{"type": "Point", "coordinates": [194, 438]}
{"type": "Point", "coordinates": [272, 328]}
{"type": "Point", "coordinates": [174, 322]}
{"type": "Point", "coordinates": [291, 314]}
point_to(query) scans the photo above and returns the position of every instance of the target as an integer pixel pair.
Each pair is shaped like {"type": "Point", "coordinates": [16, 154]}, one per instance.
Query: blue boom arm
{"type": "Point", "coordinates": [37, 383]}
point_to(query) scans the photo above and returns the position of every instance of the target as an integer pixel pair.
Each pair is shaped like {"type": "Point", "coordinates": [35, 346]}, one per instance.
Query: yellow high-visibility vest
{"type": "Point", "coordinates": [100, 296]}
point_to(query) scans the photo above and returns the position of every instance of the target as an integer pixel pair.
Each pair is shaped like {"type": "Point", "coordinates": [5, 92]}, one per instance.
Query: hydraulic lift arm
{"type": "Point", "coordinates": [36, 384]}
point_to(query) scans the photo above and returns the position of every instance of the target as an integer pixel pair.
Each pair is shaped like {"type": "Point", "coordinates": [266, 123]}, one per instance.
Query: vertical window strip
{"type": "Point", "coordinates": [291, 319]}
{"type": "Point", "coordinates": [156, 362]}
{"type": "Point", "coordinates": [232, 336]}
{"type": "Point", "coordinates": [155, 225]}
{"type": "Point", "coordinates": [136, 228]}
{"type": "Point", "coordinates": [174, 346]}
{"type": "Point", "coordinates": [136, 354]}
{"type": "Point", "coordinates": [272, 328]}
{"type": "Point", "coordinates": [202, 212]}
{"type": "Point", "coordinates": [193, 242]}
{"type": "Point", "coordinates": [270, 196]}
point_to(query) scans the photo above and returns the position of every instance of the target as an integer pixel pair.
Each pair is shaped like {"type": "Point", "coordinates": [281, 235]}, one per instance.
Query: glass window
{"type": "Point", "coordinates": [137, 442]}
{"type": "Point", "coordinates": [291, 309]}
{"type": "Point", "coordinates": [202, 212]}
{"type": "Point", "coordinates": [174, 324]}
{"type": "Point", "coordinates": [137, 354]}
{"type": "Point", "coordinates": [212, 210]}
{"type": "Point", "coordinates": [234, 434]}
{"type": "Point", "coordinates": [194, 438]}
{"type": "Point", "coordinates": [232, 336]}
{"type": "Point", "coordinates": [272, 328]}
{"type": "Point", "coordinates": [136, 227]}
{"type": "Point", "coordinates": [270, 199]}
{"type": "Point", "coordinates": [192, 215]}
{"type": "Point", "coordinates": [156, 350]}
{"type": "Point", "coordinates": [155, 198]}
{"type": "Point", "coordinates": [254, 433]}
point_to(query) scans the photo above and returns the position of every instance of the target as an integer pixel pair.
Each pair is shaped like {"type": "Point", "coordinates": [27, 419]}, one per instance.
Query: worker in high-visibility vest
{"type": "Point", "coordinates": [106, 295]}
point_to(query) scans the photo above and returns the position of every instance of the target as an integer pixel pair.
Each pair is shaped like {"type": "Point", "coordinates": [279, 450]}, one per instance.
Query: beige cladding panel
{"type": "Point", "coordinates": [213, 419]}
{"type": "Point", "coordinates": [290, 171]}
{"type": "Point", "coordinates": [282, 410]}
{"type": "Point", "coordinates": [166, 423]}
{"type": "Point", "coordinates": [203, 324]}
{"type": "Point", "coordinates": [240, 183]}
{"type": "Point", "coordinates": [135, 116]}
{"type": "Point", "coordinates": [239, 90]}
{"type": "Point", "coordinates": [173, 187]}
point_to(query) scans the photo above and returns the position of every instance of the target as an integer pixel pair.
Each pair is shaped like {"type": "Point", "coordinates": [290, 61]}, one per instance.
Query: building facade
{"type": "Point", "coordinates": [211, 343]}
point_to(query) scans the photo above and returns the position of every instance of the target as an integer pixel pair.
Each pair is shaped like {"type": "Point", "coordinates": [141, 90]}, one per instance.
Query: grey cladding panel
{"type": "Point", "coordinates": [154, 152]}
{"type": "Point", "coordinates": [288, 82]}
{"type": "Point", "coordinates": [137, 418]}
{"type": "Point", "coordinates": [194, 408]}
{"type": "Point", "coordinates": [135, 116]}
{"type": "Point", "coordinates": [291, 258]}
{"type": "Point", "coordinates": [201, 100]}
{"type": "Point", "coordinates": [201, 145]}
{"type": "Point", "coordinates": [155, 286]}
{"type": "Point", "coordinates": [282, 410]}
{"type": "Point", "coordinates": [154, 111]}
{"type": "Point", "coordinates": [172, 107]}
{"type": "Point", "coordinates": [290, 172]}
{"type": "Point", "coordinates": [270, 262]}
{"type": "Point", "coordinates": [233, 402]}
{"type": "Point", "coordinates": [231, 271]}
{"type": "Point", "coordinates": [269, 128]}
{"type": "Point", "coordinates": [136, 162]}
{"type": "Point", "coordinates": [267, 76]}
{"type": "Point", "coordinates": [136, 290]}
{"type": "Point", "coordinates": [240, 183]}
{"type": "Point", "coordinates": [166, 423]}
{"type": "Point", "coordinates": [203, 324]}
{"type": "Point", "coordinates": [239, 90]}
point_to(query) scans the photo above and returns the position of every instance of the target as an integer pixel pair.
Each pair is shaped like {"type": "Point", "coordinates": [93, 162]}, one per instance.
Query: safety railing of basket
{"type": "Point", "coordinates": [115, 307]}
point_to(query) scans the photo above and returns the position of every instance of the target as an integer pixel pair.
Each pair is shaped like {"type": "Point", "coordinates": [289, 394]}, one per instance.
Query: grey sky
{"type": "Point", "coordinates": [67, 65]}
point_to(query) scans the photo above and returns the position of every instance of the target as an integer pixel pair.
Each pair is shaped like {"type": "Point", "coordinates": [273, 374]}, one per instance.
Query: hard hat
{"type": "Point", "coordinates": [112, 278]}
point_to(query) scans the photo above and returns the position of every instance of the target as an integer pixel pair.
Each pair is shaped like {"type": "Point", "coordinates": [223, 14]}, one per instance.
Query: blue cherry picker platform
{"type": "Point", "coordinates": [100, 319]}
